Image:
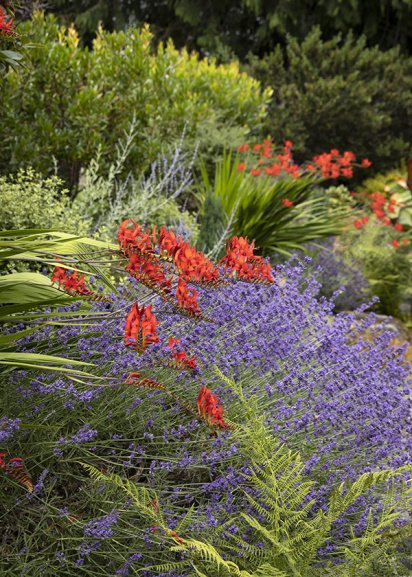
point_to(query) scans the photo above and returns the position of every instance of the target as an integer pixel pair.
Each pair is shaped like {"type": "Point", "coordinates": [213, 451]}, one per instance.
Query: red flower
{"type": "Point", "coordinates": [59, 275]}
{"type": "Point", "coordinates": [286, 202]}
{"type": "Point", "coordinates": [255, 171]}
{"type": "Point", "coordinates": [241, 261]}
{"type": "Point", "coordinates": [391, 206]}
{"type": "Point", "coordinates": [241, 167]}
{"type": "Point", "coordinates": [288, 144]}
{"type": "Point", "coordinates": [180, 357]}
{"type": "Point", "coordinates": [395, 243]}
{"type": "Point", "coordinates": [347, 172]}
{"type": "Point", "coordinates": [192, 265]}
{"type": "Point", "coordinates": [358, 224]}
{"type": "Point", "coordinates": [405, 241]}
{"type": "Point", "coordinates": [257, 147]}
{"type": "Point", "coordinates": [379, 213]}
{"type": "Point", "coordinates": [6, 27]}
{"type": "Point", "coordinates": [149, 272]}
{"type": "Point", "coordinates": [134, 239]}
{"type": "Point", "coordinates": [366, 163]}
{"type": "Point", "coordinates": [386, 221]}
{"type": "Point", "coordinates": [209, 408]}
{"type": "Point", "coordinates": [364, 219]}
{"type": "Point", "coordinates": [187, 298]}
{"type": "Point", "coordinates": [140, 329]}
{"type": "Point", "coordinates": [243, 148]}
{"type": "Point", "coordinates": [70, 282]}
{"type": "Point", "coordinates": [273, 170]}
{"type": "Point", "coordinates": [398, 227]}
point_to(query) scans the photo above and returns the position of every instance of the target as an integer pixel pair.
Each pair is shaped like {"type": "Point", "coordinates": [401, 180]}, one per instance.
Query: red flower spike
{"type": "Point", "coordinates": [365, 219]}
{"type": "Point", "coordinates": [286, 202]}
{"type": "Point", "coordinates": [140, 330]}
{"type": "Point", "coordinates": [209, 408]}
{"type": "Point", "coordinates": [243, 148]}
{"type": "Point", "coordinates": [398, 227]}
{"type": "Point", "coordinates": [241, 261]}
{"type": "Point", "coordinates": [241, 167]}
{"type": "Point", "coordinates": [358, 224]}
{"type": "Point", "coordinates": [255, 171]}
{"type": "Point", "coordinates": [181, 360]}
{"type": "Point", "coordinates": [395, 243]}
{"type": "Point", "coordinates": [366, 163]}
{"type": "Point", "coordinates": [150, 273]}
{"type": "Point", "coordinates": [134, 239]}
{"type": "Point", "coordinates": [70, 282]}
{"type": "Point", "coordinates": [187, 298]}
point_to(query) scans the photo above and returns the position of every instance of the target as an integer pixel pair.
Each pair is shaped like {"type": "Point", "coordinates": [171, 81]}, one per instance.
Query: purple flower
{"type": "Point", "coordinates": [8, 427]}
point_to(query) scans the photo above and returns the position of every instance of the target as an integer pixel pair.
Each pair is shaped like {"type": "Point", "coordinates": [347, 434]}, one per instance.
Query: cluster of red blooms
{"type": "Point", "coordinates": [192, 265]}
{"type": "Point", "coordinates": [180, 358]}
{"type": "Point", "coordinates": [70, 282]}
{"type": "Point", "coordinates": [140, 330]}
{"type": "Point", "coordinates": [150, 257]}
{"type": "Point", "coordinates": [384, 210]}
{"type": "Point", "coordinates": [187, 298]}
{"type": "Point", "coordinates": [6, 25]}
{"type": "Point", "coordinates": [328, 164]}
{"type": "Point", "coordinates": [209, 408]}
{"type": "Point", "coordinates": [15, 468]}
{"type": "Point", "coordinates": [240, 261]}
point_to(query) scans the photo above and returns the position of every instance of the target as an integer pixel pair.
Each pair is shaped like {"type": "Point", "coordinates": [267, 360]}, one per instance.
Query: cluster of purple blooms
{"type": "Point", "coordinates": [8, 427]}
{"type": "Point", "coordinates": [342, 400]}
{"type": "Point", "coordinates": [340, 280]}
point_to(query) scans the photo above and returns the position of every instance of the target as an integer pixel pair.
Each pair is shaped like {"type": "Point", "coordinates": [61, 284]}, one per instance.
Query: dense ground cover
{"type": "Point", "coordinates": [284, 371]}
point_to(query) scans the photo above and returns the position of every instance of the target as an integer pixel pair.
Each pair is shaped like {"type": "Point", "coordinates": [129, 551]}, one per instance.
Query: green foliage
{"type": "Point", "coordinates": [71, 102]}
{"type": "Point", "coordinates": [27, 200]}
{"type": "Point", "coordinates": [106, 198]}
{"type": "Point", "coordinates": [30, 296]}
{"type": "Point", "coordinates": [387, 269]}
{"type": "Point", "coordinates": [339, 93]}
{"type": "Point", "coordinates": [282, 516]}
{"type": "Point", "coordinates": [222, 27]}
{"type": "Point", "coordinates": [255, 207]}
{"type": "Point", "coordinates": [213, 225]}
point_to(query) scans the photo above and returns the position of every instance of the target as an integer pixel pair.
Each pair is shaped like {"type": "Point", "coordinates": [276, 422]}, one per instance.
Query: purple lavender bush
{"type": "Point", "coordinates": [285, 369]}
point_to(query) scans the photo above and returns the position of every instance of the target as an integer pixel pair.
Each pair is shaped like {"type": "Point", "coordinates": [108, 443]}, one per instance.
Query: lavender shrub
{"type": "Point", "coordinates": [343, 401]}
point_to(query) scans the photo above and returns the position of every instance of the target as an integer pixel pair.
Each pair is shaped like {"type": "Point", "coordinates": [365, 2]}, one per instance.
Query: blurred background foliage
{"type": "Point", "coordinates": [236, 27]}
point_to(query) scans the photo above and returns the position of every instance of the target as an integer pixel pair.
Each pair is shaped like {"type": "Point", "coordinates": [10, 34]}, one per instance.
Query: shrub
{"type": "Point", "coordinates": [28, 200]}
{"type": "Point", "coordinates": [105, 200]}
{"type": "Point", "coordinates": [341, 92]}
{"type": "Point", "coordinates": [385, 262]}
{"type": "Point", "coordinates": [71, 101]}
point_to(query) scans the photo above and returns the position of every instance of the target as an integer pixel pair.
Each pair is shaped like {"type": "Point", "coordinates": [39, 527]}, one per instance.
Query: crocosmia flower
{"type": "Point", "coordinates": [140, 330]}
{"type": "Point", "coordinates": [209, 408]}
